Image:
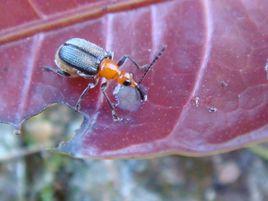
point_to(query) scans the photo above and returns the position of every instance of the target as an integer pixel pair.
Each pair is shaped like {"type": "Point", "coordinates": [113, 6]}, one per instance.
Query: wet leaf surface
{"type": "Point", "coordinates": [206, 94]}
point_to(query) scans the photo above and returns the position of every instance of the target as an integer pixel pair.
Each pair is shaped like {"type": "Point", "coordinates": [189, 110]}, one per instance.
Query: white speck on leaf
{"type": "Point", "coordinates": [212, 109]}
{"type": "Point", "coordinates": [196, 101]}
{"type": "Point", "coordinates": [266, 69]}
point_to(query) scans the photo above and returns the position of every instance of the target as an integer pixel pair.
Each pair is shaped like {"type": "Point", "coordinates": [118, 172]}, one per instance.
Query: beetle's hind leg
{"type": "Point", "coordinates": [111, 105]}
{"type": "Point", "coordinates": [57, 71]}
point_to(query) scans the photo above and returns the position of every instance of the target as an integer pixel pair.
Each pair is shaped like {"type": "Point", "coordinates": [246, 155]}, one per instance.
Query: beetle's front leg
{"type": "Point", "coordinates": [89, 86]}
{"type": "Point", "coordinates": [111, 105]}
{"type": "Point", "coordinates": [57, 71]}
{"type": "Point", "coordinates": [124, 58]}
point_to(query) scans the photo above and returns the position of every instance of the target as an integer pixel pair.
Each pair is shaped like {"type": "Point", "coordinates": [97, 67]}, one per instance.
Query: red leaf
{"type": "Point", "coordinates": [207, 93]}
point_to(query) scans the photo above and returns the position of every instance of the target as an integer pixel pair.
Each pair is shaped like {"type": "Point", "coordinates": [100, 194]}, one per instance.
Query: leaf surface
{"type": "Point", "coordinates": [208, 92]}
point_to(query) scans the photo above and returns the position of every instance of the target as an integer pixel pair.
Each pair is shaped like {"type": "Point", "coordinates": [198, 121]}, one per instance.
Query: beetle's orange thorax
{"type": "Point", "coordinates": [109, 69]}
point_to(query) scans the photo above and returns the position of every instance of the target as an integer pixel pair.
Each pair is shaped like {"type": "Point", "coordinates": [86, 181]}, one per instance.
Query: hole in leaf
{"type": "Point", "coordinates": [57, 123]}
{"type": "Point", "coordinates": [9, 142]}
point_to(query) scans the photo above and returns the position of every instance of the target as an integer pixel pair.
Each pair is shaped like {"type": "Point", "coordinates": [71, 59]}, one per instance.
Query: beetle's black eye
{"type": "Point", "coordinates": [127, 83]}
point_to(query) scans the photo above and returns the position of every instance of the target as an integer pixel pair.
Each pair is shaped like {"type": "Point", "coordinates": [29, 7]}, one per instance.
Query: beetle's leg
{"type": "Point", "coordinates": [125, 57]}
{"type": "Point", "coordinates": [111, 105]}
{"type": "Point", "coordinates": [89, 86]}
{"type": "Point", "coordinates": [57, 71]}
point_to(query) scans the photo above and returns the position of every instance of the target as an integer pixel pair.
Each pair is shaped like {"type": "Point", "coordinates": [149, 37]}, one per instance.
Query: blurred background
{"type": "Point", "coordinates": [31, 170]}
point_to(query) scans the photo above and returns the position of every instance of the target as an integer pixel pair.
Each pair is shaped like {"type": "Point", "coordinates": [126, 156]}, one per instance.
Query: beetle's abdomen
{"type": "Point", "coordinates": [82, 55]}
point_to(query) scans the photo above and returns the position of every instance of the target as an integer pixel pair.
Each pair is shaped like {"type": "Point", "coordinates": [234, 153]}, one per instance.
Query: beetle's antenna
{"type": "Point", "coordinates": [158, 55]}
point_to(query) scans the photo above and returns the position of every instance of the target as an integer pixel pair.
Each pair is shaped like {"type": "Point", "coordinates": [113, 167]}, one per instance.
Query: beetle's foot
{"type": "Point", "coordinates": [77, 107]}
{"type": "Point", "coordinates": [47, 68]}
{"type": "Point", "coordinates": [144, 67]}
{"type": "Point", "coordinates": [116, 117]}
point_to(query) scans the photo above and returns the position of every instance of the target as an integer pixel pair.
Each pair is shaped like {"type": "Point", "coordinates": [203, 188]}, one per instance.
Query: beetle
{"type": "Point", "coordinates": [80, 58]}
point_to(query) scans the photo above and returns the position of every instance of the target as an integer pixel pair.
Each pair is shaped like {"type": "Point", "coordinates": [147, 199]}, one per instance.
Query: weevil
{"type": "Point", "coordinates": [80, 58]}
